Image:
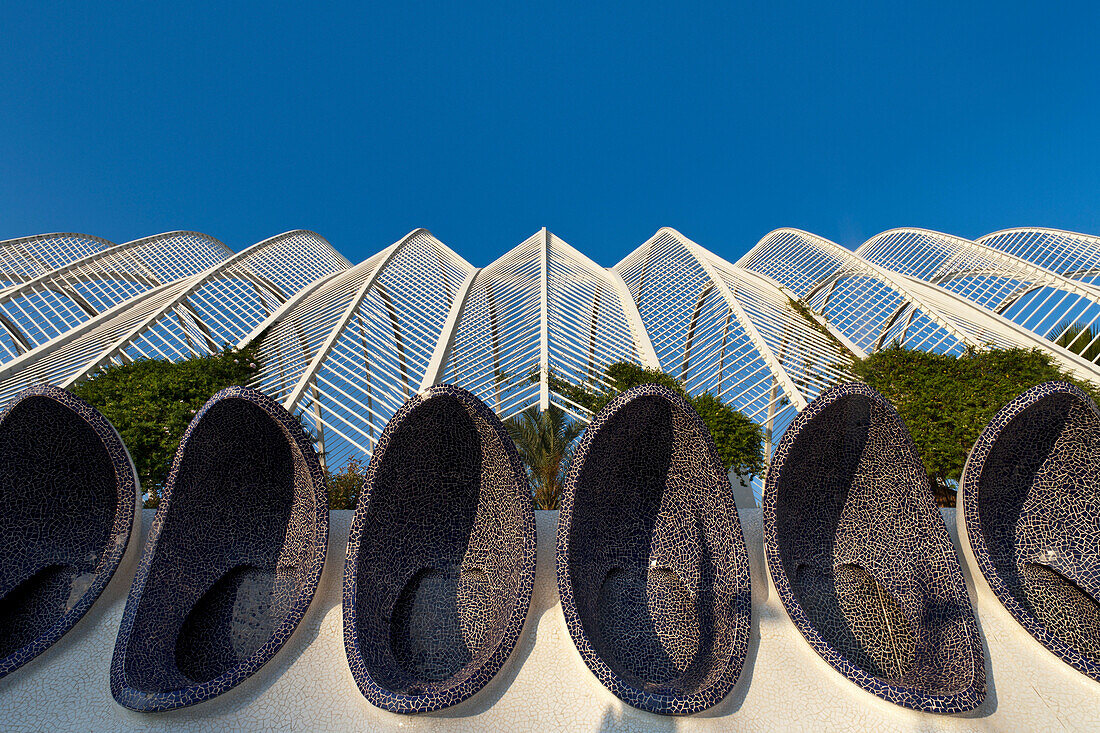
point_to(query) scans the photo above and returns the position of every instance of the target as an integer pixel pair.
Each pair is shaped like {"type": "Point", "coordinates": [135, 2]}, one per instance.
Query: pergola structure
{"type": "Point", "coordinates": [344, 346]}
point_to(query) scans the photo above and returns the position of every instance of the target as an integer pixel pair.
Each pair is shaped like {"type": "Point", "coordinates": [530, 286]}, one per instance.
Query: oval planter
{"type": "Point", "coordinates": [233, 557]}
{"type": "Point", "coordinates": [1030, 517]}
{"type": "Point", "coordinates": [652, 567]}
{"type": "Point", "coordinates": [441, 556]}
{"type": "Point", "coordinates": [861, 559]}
{"type": "Point", "coordinates": [68, 511]}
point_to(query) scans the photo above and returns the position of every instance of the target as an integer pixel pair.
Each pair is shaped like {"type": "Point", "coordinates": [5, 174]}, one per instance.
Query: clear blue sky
{"type": "Point", "coordinates": [484, 122]}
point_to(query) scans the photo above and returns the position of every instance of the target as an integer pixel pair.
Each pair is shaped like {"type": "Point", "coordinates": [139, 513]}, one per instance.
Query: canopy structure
{"type": "Point", "coordinates": [344, 346]}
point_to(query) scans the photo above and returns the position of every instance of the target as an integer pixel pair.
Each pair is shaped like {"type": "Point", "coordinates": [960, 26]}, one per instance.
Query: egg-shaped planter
{"type": "Point", "coordinates": [861, 558]}
{"type": "Point", "coordinates": [68, 510]}
{"type": "Point", "coordinates": [233, 557]}
{"type": "Point", "coordinates": [1030, 497]}
{"type": "Point", "coordinates": [441, 556]}
{"type": "Point", "coordinates": [652, 567]}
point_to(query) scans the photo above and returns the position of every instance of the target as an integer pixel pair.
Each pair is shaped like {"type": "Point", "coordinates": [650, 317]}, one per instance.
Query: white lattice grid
{"type": "Point", "coordinates": [666, 281]}
{"type": "Point", "coordinates": [1037, 299]}
{"type": "Point", "coordinates": [586, 327]}
{"type": "Point", "coordinates": [289, 346]}
{"type": "Point", "coordinates": [25, 258]}
{"type": "Point", "coordinates": [855, 298]}
{"type": "Point", "coordinates": [228, 302]}
{"type": "Point", "coordinates": [379, 357]}
{"type": "Point", "coordinates": [813, 360]}
{"type": "Point", "coordinates": [57, 366]}
{"type": "Point", "coordinates": [496, 347]}
{"type": "Point", "coordinates": [292, 260]}
{"type": "Point", "coordinates": [1070, 254]}
{"type": "Point", "coordinates": [697, 335]}
{"type": "Point", "coordinates": [46, 307]}
{"type": "Point", "coordinates": [227, 295]}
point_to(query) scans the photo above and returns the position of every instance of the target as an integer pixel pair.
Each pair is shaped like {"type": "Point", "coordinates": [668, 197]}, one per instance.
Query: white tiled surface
{"type": "Point", "coordinates": [545, 686]}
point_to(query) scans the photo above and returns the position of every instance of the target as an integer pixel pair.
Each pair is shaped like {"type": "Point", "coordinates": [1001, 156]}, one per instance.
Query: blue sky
{"type": "Point", "coordinates": [484, 122]}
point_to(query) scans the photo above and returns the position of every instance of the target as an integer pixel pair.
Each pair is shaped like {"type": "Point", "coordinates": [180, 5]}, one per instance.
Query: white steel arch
{"type": "Point", "coordinates": [1040, 300]}
{"type": "Point", "coordinates": [1070, 254]}
{"type": "Point", "coordinates": [25, 258]}
{"type": "Point", "coordinates": [542, 312]}
{"type": "Point", "coordinates": [345, 346]}
{"type": "Point", "coordinates": [351, 353]}
{"type": "Point", "coordinates": [190, 317]}
{"type": "Point", "coordinates": [730, 332]}
{"type": "Point", "coordinates": [869, 304]}
{"type": "Point", "coordinates": [40, 309]}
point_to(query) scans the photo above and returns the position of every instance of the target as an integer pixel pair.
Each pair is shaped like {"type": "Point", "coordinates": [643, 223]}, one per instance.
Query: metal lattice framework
{"type": "Point", "coordinates": [40, 309]}
{"type": "Point", "coordinates": [344, 346]}
{"type": "Point", "coordinates": [189, 316]}
{"type": "Point", "coordinates": [28, 257]}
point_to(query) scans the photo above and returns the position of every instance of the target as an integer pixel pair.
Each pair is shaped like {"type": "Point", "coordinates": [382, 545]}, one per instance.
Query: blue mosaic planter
{"type": "Point", "coordinates": [652, 566]}
{"type": "Point", "coordinates": [68, 500]}
{"type": "Point", "coordinates": [441, 556]}
{"type": "Point", "coordinates": [861, 558]}
{"type": "Point", "coordinates": [220, 589]}
{"type": "Point", "coordinates": [1030, 498]}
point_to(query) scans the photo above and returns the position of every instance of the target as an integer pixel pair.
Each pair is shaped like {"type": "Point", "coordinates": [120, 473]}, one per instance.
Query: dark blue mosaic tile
{"type": "Point", "coordinates": [68, 499]}
{"type": "Point", "coordinates": [1030, 498]}
{"type": "Point", "coordinates": [233, 557]}
{"type": "Point", "coordinates": [441, 556]}
{"type": "Point", "coordinates": [652, 566]}
{"type": "Point", "coordinates": [861, 558]}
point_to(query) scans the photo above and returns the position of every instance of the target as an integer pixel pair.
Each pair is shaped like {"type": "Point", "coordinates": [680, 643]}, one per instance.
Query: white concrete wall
{"type": "Point", "coordinates": [545, 686]}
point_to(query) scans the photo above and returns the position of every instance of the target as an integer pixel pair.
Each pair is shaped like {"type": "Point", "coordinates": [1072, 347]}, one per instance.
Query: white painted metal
{"type": "Point", "coordinates": [778, 372]}
{"type": "Point", "coordinates": [446, 340]}
{"type": "Point", "coordinates": [544, 323]}
{"type": "Point", "coordinates": [647, 355]}
{"type": "Point", "coordinates": [1035, 297]}
{"type": "Point", "coordinates": [288, 306]}
{"type": "Point", "coordinates": [25, 258]}
{"type": "Point", "coordinates": [345, 346]}
{"type": "Point", "coordinates": [42, 308]}
{"type": "Point", "coordinates": [188, 317]}
{"type": "Point", "coordinates": [292, 401]}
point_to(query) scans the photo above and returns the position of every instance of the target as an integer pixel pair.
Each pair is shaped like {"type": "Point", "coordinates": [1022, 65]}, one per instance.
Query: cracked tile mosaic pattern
{"type": "Point", "coordinates": [861, 558]}
{"type": "Point", "coordinates": [233, 558]}
{"type": "Point", "coordinates": [652, 566]}
{"type": "Point", "coordinates": [1030, 498]}
{"type": "Point", "coordinates": [68, 499]}
{"type": "Point", "coordinates": [441, 558]}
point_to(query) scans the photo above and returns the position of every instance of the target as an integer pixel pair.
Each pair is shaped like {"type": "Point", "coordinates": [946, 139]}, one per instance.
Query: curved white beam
{"type": "Point", "coordinates": [20, 245]}
{"type": "Point", "coordinates": [303, 382]}
{"type": "Point", "coordinates": [884, 276]}
{"type": "Point", "coordinates": [544, 321]}
{"type": "Point", "coordinates": [192, 285]}
{"type": "Point", "coordinates": [794, 394]}
{"type": "Point", "coordinates": [446, 339]}
{"type": "Point", "coordinates": [642, 343]}
{"type": "Point", "coordinates": [286, 307]}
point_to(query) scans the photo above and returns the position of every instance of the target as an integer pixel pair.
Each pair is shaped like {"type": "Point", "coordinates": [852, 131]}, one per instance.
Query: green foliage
{"type": "Point", "coordinates": [151, 403]}
{"type": "Point", "coordinates": [345, 486]}
{"type": "Point", "coordinates": [739, 440]}
{"type": "Point", "coordinates": [545, 441]}
{"type": "Point", "coordinates": [1079, 339]}
{"type": "Point", "coordinates": [946, 401]}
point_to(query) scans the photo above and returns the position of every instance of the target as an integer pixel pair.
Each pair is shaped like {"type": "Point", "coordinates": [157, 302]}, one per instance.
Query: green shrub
{"type": "Point", "coordinates": [345, 485]}
{"type": "Point", "coordinates": [151, 402]}
{"type": "Point", "coordinates": [946, 400]}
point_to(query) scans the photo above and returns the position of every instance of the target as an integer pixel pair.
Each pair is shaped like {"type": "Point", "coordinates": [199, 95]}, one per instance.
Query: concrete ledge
{"type": "Point", "coordinates": [545, 685]}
